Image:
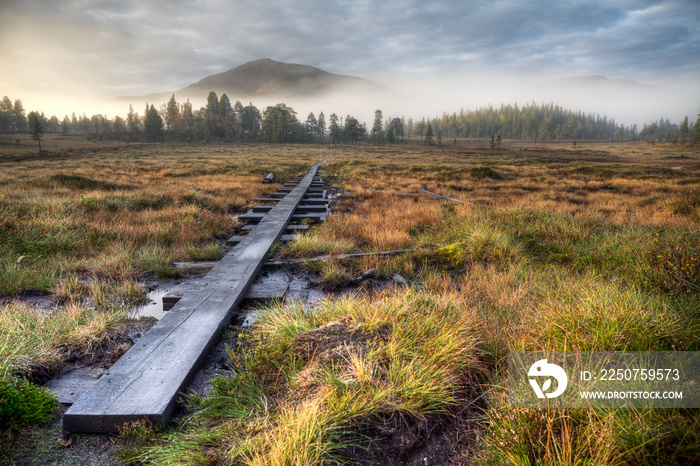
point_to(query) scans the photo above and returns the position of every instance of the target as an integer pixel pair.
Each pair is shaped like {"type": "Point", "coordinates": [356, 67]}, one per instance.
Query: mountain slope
{"type": "Point", "coordinates": [266, 79]}
{"type": "Point", "coordinates": [272, 78]}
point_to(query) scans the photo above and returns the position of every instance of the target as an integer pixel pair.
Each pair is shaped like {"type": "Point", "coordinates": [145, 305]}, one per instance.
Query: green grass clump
{"type": "Point", "coordinates": [22, 402]}
{"type": "Point", "coordinates": [207, 252]}
{"type": "Point", "coordinates": [19, 273]}
{"type": "Point", "coordinates": [157, 261]}
{"type": "Point", "coordinates": [314, 245]}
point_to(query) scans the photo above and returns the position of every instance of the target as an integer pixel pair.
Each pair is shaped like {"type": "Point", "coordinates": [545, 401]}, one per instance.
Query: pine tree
{"type": "Point", "coordinates": [172, 114]}
{"type": "Point", "coordinates": [696, 131]}
{"type": "Point", "coordinates": [152, 124]}
{"type": "Point", "coordinates": [333, 128]}
{"type": "Point", "coordinates": [429, 134]}
{"type": "Point", "coordinates": [36, 129]}
{"type": "Point", "coordinates": [684, 130]}
{"type": "Point", "coordinates": [377, 128]}
{"type": "Point", "coordinates": [310, 127]}
{"type": "Point", "coordinates": [321, 126]}
{"type": "Point", "coordinates": [390, 135]}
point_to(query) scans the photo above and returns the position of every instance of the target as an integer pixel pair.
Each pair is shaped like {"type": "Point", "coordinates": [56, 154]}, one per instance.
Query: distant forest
{"type": "Point", "coordinates": [222, 121]}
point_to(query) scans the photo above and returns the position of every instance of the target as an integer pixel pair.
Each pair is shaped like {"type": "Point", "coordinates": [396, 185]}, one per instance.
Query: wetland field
{"type": "Point", "coordinates": [589, 246]}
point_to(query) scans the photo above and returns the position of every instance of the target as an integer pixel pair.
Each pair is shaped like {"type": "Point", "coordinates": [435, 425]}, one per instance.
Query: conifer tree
{"type": "Point", "coordinates": [429, 134]}
{"type": "Point", "coordinates": [36, 129]}
{"type": "Point", "coordinates": [377, 130]}
{"type": "Point", "coordinates": [152, 124]}
{"type": "Point", "coordinates": [321, 126]}
{"type": "Point", "coordinates": [684, 130]}
{"type": "Point", "coordinates": [390, 135]}
{"type": "Point", "coordinates": [333, 128]}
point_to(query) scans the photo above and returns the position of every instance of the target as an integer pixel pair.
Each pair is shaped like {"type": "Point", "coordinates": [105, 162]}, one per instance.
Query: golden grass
{"type": "Point", "coordinates": [549, 251]}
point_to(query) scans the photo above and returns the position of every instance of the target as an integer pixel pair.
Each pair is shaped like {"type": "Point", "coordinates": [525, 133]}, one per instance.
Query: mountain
{"type": "Point", "coordinates": [267, 79]}
{"type": "Point", "coordinates": [272, 78]}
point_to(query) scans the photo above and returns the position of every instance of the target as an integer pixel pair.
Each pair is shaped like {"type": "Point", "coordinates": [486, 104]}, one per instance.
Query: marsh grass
{"type": "Point", "coordinates": [586, 248]}
{"type": "Point", "coordinates": [556, 251]}
{"type": "Point", "coordinates": [30, 339]}
{"type": "Point", "coordinates": [307, 380]}
{"type": "Point", "coordinates": [120, 213]}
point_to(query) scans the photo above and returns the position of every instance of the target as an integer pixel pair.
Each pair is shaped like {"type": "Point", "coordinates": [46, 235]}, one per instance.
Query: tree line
{"type": "Point", "coordinates": [546, 123]}
{"type": "Point", "coordinates": [223, 121]}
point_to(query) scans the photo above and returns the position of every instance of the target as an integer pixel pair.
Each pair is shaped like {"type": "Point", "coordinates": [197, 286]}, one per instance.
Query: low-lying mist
{"type": "Point", "coordinates": [627, 102]}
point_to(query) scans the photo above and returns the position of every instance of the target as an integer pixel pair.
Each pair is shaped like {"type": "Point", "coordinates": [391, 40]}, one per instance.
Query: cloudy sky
{"type": "Point", "coordinates": [54, 54]}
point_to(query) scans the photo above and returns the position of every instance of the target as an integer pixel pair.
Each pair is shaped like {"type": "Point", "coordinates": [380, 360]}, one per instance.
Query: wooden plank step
{"type": "Point", "coordinates": [288, 227]}
{"type": "Point", "coordinates": [315, 201]}
{"type": "Point", "coordinates": [311, 215]}
{"type": "Point", "coordinates": [235, 239]}
{"type": "Point", "coordinates": [238, 238]}
{"type": "Point", "coordinates": [265, 292]}
{"type": "Point", "coordinates": [256, 217]}
{"type": "Point", "coordinates": [298, 227]}
{"type": "Point", "coordinates": [265, 288]}
{"type": "Point", "coordinates": [149, 378]}
{"type": "Point", "coordinates": [277, 195]}
{"type": "Point", "coordinates": [265, 199]}
{"type": "Point", "coordinates": [311, 208]}
{"type": "Point", "coordinates": [252, 217]}
{"type": "Point", "coordinates": [262, 208]}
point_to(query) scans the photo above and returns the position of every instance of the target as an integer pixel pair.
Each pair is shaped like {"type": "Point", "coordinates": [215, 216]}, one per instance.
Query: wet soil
{"type": "Point", "coordinates": [437, 439]}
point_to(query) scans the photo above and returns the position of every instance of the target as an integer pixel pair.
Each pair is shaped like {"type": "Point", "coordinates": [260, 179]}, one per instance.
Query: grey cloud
{"type": "Point", "coordinates": [131, 47]}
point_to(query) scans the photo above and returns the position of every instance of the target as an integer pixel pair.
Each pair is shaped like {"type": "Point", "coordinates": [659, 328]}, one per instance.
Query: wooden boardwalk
{"type": "Point", "coordinates": [148, 380]}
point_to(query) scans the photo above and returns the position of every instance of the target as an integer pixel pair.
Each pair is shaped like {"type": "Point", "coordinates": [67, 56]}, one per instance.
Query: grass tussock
{"type": "Point", "coordinates": [335, 369]}
{"type": "Point", "coordinates": [31, 339]}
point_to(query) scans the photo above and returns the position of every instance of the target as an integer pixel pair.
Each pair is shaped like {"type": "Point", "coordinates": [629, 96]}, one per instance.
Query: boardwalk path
{"type": "Point", "coordinates": [147, 381]}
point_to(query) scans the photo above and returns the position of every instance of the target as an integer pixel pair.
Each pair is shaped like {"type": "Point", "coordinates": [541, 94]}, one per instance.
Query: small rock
{"type": "Point", "coordinates": [399, 279]}
{"type": "Point", "coordinates": [66, 440]}
{"type": "Point", "coordinates": [365, 275]}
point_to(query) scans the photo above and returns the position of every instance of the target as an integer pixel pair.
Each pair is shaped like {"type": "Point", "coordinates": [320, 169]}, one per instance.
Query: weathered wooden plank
{"type": "Point", "coordinates": [264, 199]}
{"type": "Point", "coordinates": [287, 228]}
{"type": "Point", "coordinates": [315, 201]}
{"type": "Point", "coordinates": [237, 239]}
{"type": "Point", "coordinates": [147, 381]}
{"type": "Point", "coordinates": [256, 217]}
{"type": "Point", "coordinates": [311, 208]}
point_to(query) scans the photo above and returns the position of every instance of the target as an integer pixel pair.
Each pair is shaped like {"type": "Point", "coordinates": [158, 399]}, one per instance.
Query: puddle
{"type": "Point", "coordinates": [275, 283]}
{"type": "Point", "coordinates": [154, 307]}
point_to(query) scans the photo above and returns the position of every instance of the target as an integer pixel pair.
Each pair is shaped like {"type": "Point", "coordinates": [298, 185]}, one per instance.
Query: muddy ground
{"type": "Point", "coordinates": [438, 439]}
